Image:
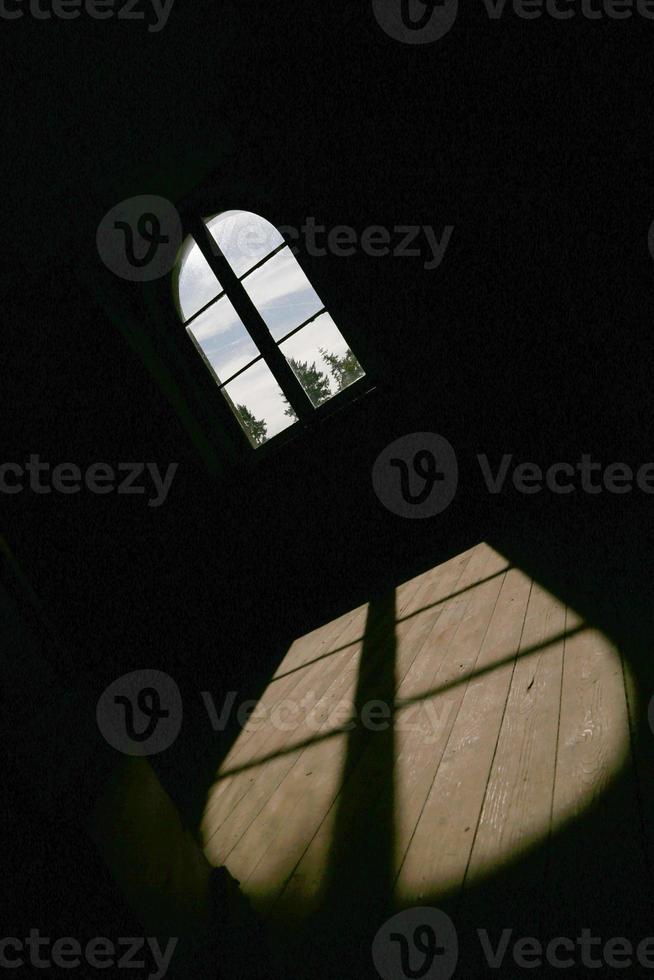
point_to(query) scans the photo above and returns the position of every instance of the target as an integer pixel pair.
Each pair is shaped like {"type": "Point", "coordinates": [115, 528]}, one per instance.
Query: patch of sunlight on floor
{"type": "Point", "coordinates": [277, 784]}
{"type": "Point", "coordinates": [502, 785]}
{"type": "Point", "coordinates": [510, 720]}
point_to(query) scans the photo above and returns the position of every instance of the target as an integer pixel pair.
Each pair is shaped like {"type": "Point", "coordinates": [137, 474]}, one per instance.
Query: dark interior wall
{"type": "Point", "coordinates": [520, 341]}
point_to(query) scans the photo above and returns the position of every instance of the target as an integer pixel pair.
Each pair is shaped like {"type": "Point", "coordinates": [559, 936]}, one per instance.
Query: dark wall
{"type": "Point", "coordinates": [532, 337]}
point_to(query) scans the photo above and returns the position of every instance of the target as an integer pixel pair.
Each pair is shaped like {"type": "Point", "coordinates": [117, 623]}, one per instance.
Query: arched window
{"type": "Point", "coordinates": [261, 328]}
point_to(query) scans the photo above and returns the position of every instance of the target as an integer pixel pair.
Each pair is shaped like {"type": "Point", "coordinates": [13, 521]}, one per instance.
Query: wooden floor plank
{"type": "Point", "coordinates": [321, 644]}
{"type": "Point", "coordinates": [518, 803]}
{"type": "Point", "coordinates": [290, 679]}
{"type": "Point", "coordinates": [595, 853]}
{"type": "Point", "coordinates": [305, 653]}
{"type": "Point", "coordinates": [295, 809]}
{"type": "Point", "coordinates": [302, 678]}
{"type": "Point", "coordinates": [422, 646]}
{"type": "Point", "coordinates": [510, 725]}
{"type": "Point", "coordinates": [437, 858]}
{"type": "Point", "coordinates": [318, 692]}
{"type": "Point", "coordinates": [594, 722]}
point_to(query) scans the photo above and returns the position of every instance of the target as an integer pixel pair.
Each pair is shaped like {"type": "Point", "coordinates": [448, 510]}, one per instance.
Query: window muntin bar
{"type": "Point", "coordinates": [262, 330]}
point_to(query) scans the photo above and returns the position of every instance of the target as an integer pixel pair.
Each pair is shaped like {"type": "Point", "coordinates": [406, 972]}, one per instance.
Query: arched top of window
{"type": "Point", "coordinates": [259, 325]}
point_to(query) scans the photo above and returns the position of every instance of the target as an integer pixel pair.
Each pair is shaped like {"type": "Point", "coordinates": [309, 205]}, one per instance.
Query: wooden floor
{"type": "Point", "coordinates": [421, 745]}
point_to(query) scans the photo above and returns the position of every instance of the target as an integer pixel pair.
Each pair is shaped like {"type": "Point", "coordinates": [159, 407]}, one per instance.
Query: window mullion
{"type": "Point", "coordinates": [252, 320]}
{"type": "Point", "coordinates": [263, 261]}
{"type": "Point", "coordinates": [306, 323]}
{"type": "Point", "coordinates": [203, 309]}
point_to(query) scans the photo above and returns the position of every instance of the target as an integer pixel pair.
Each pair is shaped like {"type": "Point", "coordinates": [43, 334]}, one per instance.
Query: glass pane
{"type": "Point", "coordinates": [321, 359]}
{"type": "Point", "coordinates": [258, 403]}
{"type": "Point", "coordinates": [244, 238]}
{"type": "Point", "coordinates": [282, 293]}
{"type": "Point", "coordinates": [196, 283]}
{"type": "Point", "coordinates": [226, 343]}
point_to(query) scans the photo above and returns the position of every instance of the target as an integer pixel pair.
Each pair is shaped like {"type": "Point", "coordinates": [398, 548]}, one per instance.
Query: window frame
{"type": "Point", "coordinates": [269, 350]}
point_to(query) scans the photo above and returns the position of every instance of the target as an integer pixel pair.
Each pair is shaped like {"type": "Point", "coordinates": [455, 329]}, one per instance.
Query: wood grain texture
{"type": "Point", "coordinates": [508, 720]}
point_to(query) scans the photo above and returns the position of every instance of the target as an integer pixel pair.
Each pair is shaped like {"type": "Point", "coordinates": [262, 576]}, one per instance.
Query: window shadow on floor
{"type": "Point", "coordinates": [359, 867]}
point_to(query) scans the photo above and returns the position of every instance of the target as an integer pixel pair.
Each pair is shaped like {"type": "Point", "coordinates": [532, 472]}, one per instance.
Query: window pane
{"type": "Point", "coordinates": [282, 293]}
{"type": "Point", "coordinates": [196, 283]}
{"type": "Point", "coordinates": [321, 359]}
{"type": "Point", "coordinates": [244, 238]}
{"type": "Point", "coordinates": [224, 340]}
{"type": "Point", "coordinates": [258, 403]}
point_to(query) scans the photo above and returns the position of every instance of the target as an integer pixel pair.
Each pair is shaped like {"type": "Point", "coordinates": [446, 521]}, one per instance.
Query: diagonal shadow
{"type": "Point", "coordinates": [360, 863]}
{"type": "Point", "coordinates": [401, 619]}
{"type": "Point", "coordinates": [463, 678]}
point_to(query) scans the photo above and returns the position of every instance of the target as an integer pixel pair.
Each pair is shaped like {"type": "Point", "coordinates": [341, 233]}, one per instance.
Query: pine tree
{"type": "Point", "coordinates": [314, 382]}
{"type": "Point", "coordinates": [344, 370]}
{"type": "Point", "coordinates": [257, 429]}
